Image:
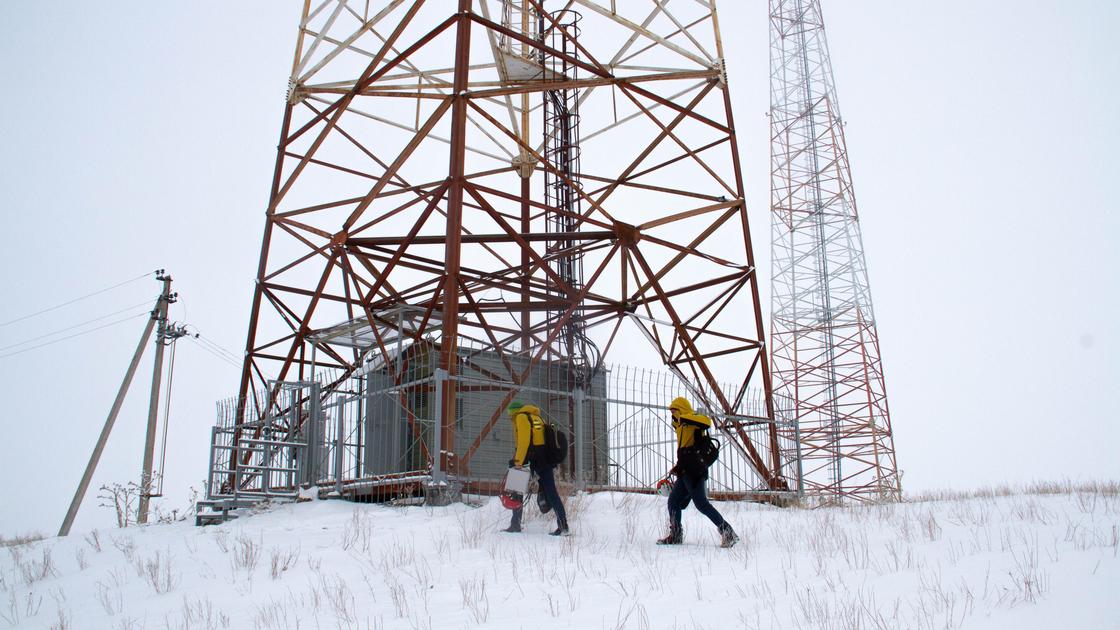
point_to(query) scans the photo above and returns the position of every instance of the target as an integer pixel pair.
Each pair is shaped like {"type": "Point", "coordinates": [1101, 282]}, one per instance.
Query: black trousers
{"type": "Point", "coordinates": [685, 490]}
{"type": "Point", "coordinates": [546, 480]}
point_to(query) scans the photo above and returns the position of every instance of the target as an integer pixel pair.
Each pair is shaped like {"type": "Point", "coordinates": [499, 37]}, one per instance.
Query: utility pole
{"type": "Point", "coordinates": [83, 485]}
{"type": "Point", "coordinates": [167, 298]}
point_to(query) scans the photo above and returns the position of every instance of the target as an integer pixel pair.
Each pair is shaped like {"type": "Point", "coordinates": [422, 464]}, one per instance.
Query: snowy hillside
{"type": "Point", "coordinates": [1044, 558]}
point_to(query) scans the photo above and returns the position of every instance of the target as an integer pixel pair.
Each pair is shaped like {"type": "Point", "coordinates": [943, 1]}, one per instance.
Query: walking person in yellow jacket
{"type": "Point", "coordinates": [528, 436]}
{"type": "Point", "coordinates": [692, 476]}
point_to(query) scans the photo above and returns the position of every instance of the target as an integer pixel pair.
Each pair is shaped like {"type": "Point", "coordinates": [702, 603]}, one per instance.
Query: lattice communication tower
{"type": "Point", "coordinates": [828, 375]}
{"type": "Point", "coordinates": [548, 183]}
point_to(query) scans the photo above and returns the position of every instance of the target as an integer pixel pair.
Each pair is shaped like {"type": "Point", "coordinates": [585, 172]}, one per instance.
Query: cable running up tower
{"type": "Point", "coordinates": [561, 186]}
{"type": "Point", "coordinates": [827, 372]}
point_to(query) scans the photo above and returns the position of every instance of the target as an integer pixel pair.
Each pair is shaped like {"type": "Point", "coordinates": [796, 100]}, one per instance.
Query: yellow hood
{"type": "Point", "coordinates": [681, 406]}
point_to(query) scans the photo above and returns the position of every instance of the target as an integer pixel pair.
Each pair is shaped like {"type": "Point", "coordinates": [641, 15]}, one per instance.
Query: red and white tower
{"type": "Point", "coordinates": [828, 376]}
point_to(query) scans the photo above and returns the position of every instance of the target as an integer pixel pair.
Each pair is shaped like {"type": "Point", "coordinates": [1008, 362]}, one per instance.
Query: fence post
{"type": "Point", "coordinates": [316, 424]}
{"type": "Point", "coordinates": [577, 400]}
{"type": "Point", "coordinates": [306, 433]}
{"type": "Point", "coordinates": [238, 471]}
{"type": "Point", "coordinates": [800, 471]}
{"type": "Point", "coordinates": [210, 469]}
{"type": "Point", "coordinates": [786, 418]}
{"type": "Point", "coordinates": [339, 447]}
{"type": "Point", "coordinates": [266, 462]}
{"type": "Point", "coordinates": [437, 428]}
{"type": "Point", "coordinates": [359, 428]}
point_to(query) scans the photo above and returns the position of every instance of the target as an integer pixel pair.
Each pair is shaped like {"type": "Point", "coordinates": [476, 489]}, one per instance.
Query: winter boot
{"type": "Point", "coordinates": [561, 529]}
{"type": "Point", "coordinates": [675, 537]}
{"type": "Point", "coordinates": [728, 537]}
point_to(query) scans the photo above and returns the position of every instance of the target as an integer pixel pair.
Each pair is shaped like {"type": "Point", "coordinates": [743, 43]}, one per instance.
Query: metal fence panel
{"type": "Point", "coordinates": [380, 432]}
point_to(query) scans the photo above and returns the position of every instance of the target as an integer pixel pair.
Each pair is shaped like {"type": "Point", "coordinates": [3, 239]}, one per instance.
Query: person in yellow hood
{"type": "Point", "coordinates": [528, 439]}
{"type": "Point", "coordinates": [692, 475]}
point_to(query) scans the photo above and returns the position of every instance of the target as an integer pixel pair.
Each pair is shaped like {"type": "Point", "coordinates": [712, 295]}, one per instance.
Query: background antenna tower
{"type": "Point", "coordinates": [825, 348]}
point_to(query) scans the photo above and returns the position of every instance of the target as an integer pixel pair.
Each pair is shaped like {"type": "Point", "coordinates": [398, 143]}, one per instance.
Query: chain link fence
{"type": "Point", "coordinates": [375, 435]}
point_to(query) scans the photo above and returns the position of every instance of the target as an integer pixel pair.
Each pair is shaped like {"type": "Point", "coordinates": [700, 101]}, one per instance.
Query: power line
{"type": "Point", "coordinates": [206, 349]}
{"type": "Point", "coordinates": [225, 352]}
{"type": "Point", "coordinates": [221, 356]}
{"type": "Point", "coordinates": [211, 347]}
{"type": "Point", "coordinates": [215, 345]}
{"type": "Point", "coordinates": [125, 319]}
{"type": "Point", "coordinates": [78, 325]}
{"type": "Point", "coordinates": [77, 299]}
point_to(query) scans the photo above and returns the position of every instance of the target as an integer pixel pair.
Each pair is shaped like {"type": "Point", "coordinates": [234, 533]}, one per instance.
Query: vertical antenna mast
{"type": "Point", "coordinates": [827, 372]}
{"type": "Point", "coordinates": [561, 186]}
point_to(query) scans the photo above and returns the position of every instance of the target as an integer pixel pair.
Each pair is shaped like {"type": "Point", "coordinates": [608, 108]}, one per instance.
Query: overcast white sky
{"type": "Point", "coordinates": [982, 136]}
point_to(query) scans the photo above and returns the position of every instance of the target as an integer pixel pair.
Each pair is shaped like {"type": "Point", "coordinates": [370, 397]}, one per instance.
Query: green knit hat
{"type": "Point", "coordinates": [514, 406]}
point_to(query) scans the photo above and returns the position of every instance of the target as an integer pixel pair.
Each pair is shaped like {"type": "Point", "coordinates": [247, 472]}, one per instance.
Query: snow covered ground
{"type": "Point", "coordinates": [1041, 557]}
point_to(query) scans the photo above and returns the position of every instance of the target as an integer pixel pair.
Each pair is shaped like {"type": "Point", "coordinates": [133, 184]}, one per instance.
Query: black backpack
{"type": "Point", "coordinates": [555, 448]}
{"type": "Point", "coordinates": [707, 448]}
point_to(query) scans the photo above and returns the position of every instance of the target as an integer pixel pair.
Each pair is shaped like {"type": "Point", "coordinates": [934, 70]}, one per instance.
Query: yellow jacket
{"type": "Point", "coordinates": [528, 430]}
{"type": "Point", "coordinates": [688, 422]}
